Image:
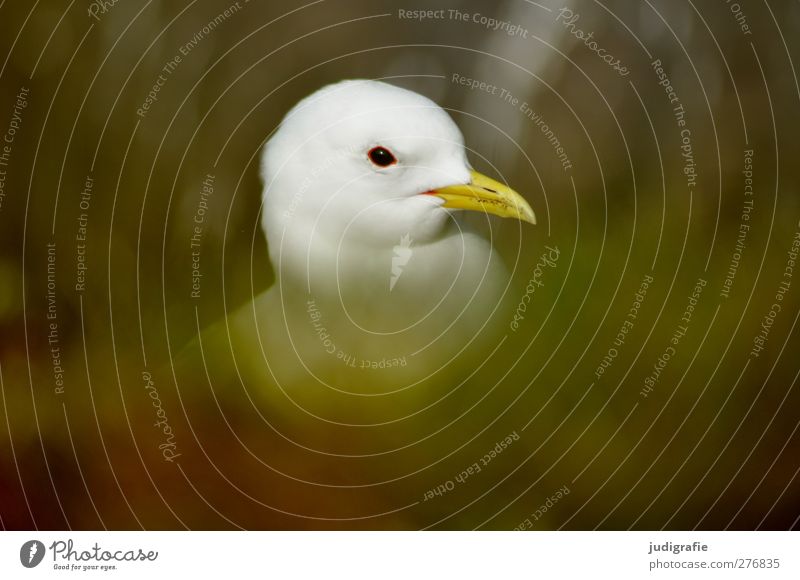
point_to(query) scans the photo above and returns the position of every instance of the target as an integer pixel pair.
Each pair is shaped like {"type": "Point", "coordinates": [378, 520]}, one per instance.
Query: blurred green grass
{"type": "Point", "coordinates": [89, 458]}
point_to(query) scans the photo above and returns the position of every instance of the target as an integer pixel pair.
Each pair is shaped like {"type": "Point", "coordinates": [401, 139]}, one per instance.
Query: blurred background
{"type": "Point", "coordinates": [652, 382]}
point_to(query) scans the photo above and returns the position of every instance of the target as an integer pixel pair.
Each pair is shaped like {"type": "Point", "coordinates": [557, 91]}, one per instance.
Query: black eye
{"type": "Point", "coordinates": [381, 157]}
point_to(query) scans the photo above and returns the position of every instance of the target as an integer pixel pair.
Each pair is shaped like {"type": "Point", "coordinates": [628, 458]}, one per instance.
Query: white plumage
{"type": "Point", "coordinates": [364, 187]}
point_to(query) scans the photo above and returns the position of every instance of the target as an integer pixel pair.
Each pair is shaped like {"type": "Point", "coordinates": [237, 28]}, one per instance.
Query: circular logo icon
{"type": "Point", "coordinates": [31, 553]}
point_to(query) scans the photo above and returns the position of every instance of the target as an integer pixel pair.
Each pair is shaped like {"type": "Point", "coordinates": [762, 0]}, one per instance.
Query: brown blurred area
{"type": "Point", "coordinates": [713, 446]}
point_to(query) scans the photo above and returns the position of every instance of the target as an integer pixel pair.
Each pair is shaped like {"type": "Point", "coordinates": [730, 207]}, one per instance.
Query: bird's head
{"type": "Point", "coordinates": [367, 162]}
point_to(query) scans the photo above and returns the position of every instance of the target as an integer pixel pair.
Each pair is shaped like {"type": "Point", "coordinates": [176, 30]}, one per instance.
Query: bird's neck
{"type": "Point", "coordinates": [387, 286]}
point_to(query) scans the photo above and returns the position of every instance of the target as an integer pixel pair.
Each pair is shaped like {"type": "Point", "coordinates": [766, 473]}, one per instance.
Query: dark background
{"type": "Point", "coordinates": [714, 446]}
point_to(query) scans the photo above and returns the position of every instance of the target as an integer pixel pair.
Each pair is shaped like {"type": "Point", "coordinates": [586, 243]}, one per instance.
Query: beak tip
{"type": "Point", "coordinates": [526, 214]}
{"type": "Point", "coordinates": [486, 194]}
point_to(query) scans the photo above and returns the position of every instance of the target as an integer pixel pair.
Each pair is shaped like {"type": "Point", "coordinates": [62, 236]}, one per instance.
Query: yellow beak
{"type": "Point", "coordinates": [487, 195]}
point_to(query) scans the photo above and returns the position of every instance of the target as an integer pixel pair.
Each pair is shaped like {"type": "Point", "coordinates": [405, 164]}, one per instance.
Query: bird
{"type": "Point", "coordinates": [382, 281]}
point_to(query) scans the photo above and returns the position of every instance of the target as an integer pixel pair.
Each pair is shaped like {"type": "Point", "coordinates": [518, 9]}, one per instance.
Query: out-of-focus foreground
{"type": "Point", "coordinates": [648, 372]}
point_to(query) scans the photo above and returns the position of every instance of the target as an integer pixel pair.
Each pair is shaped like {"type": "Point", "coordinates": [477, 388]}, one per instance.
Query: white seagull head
{"type": "Point", "coordinates": [365, 185]}
{"type": "Point", "coordinates": [367, 162]}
